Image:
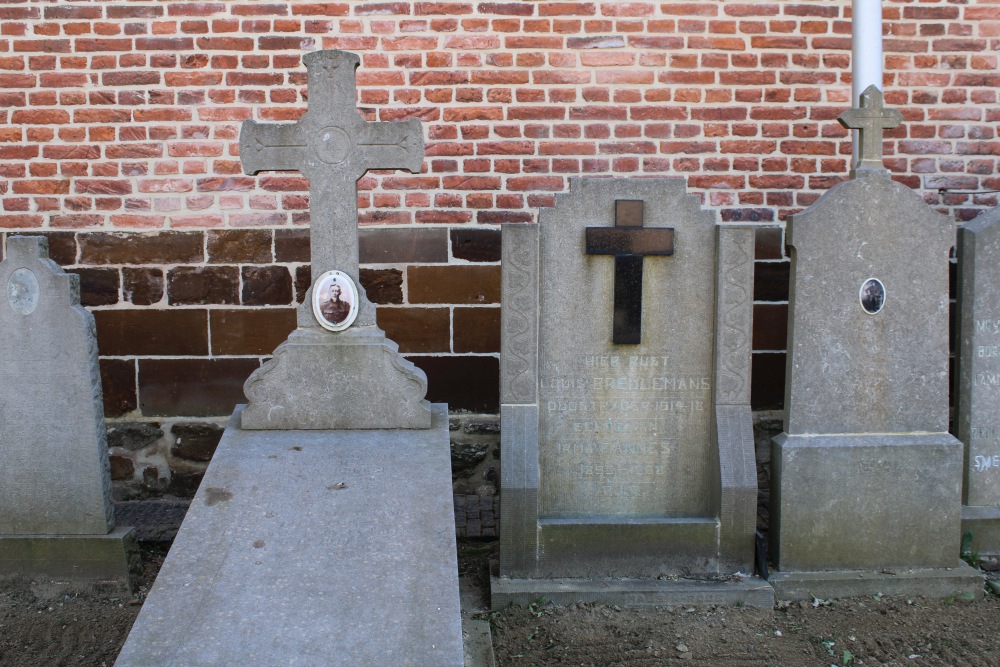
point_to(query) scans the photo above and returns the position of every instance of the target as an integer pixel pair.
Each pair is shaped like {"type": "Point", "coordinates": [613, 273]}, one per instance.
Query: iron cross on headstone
{"type": "Point", "coordinates": [333, 146]}
{"type": "Point", "coordinates": [870, 120]}
{"type": "Point", "coordinates": [629, 242]}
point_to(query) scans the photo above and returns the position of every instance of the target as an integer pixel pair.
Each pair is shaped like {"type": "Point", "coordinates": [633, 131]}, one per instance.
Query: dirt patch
{"type": "Point", "coordinates": [875, 631]}
{"type": "Point", "coordinates": [38, 629]}
{"type": "Point", "coordinates": [40, 626]}
{"type": "Point", "coordinates": [886, 631]}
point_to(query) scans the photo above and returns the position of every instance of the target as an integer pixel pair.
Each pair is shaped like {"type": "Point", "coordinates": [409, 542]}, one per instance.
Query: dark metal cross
{"type": "Point", "coordinates": [333, 146]}
{"type": "Point", "coordinates": [870, 120]}
{"type": "Point", "coordinates": [629, 242]}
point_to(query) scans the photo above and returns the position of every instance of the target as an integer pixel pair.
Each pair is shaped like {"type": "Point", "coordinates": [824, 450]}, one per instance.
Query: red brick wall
{"type": "Point", "coordinates": [119, 128]}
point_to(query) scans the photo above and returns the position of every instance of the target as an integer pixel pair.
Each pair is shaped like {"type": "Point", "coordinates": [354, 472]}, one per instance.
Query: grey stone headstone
{"type": "Point", "coordinates": [56, 473]}
{"type": "Point", "coordinates": [355, 378]}
{"type": "Point", "coordinates": [625, 460]}
{"type": "Point", "coordinates": [56, 482]}
{"type": "Point", "coordinates": [866, 476]}
{"type": "Point", "coordinates": [978, 378]}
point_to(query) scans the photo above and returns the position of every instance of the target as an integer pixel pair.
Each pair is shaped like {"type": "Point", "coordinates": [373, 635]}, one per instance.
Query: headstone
{"type": "Point", "coordinates": [977, 387]}
{"type": "Point", "coordinates": [56, 516]}
{"type": "Point", "coordinates": [866, 479]}
{"type": "Point", "coordinates": [323, 531]}
{"type": "Point", "coordinates": [627, 467]}
{"type": "Point", "coordinates": [308, 384]}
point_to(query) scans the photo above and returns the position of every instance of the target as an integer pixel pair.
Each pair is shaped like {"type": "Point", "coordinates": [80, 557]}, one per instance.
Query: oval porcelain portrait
{"type": "Point", "coordinates": [335, 300]}
{"type": "Point", "coordinates": [872, 295]}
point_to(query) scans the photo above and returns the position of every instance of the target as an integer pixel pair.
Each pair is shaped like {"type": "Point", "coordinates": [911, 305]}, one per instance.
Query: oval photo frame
{"type": "Point", "coordinates": [872, 296]}
{"type": "Point", "coordinates": [335, 300]}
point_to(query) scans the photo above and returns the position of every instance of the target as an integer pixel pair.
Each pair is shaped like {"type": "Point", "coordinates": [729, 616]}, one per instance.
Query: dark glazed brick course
{"type": "Point", "coordinates": [303, 279]}
{"type": "Point", "coordinates": [62, 246]}
{"type": "Point", "coordinates": [477, 330]}
{"type": "Point", "coordinates": [195, 286]}
{"type": "Point", "coordinates": [464, 383]}
{"type": "Point", "coordinates": [118, 384]}
{"type": "Point", "coordinates": [453, 284]}
{"type": "Point", "coordinates": [192, 387]}
{"type": "Point", "coordinates": [98, 287]}
{"type": "Point", "coordinates": [142, 286]}
{"type": "Point", "coordinates": [417, 329]}
{"type": "Point", "coordinates": [267, 286]}
{"type": "Point", "coordinates": [239, 246]}
{"type": "Point", "coordinates": [476, 245]}
{"type": "Point", "coordinates": [137, 248]}
{"type": "Point", "coordinates": [151, 332]}
{"type": "Point", "coordinates": [383, 285]}
{"type": "Point", "coordinates": [195, 441]}
{"type": "Point", "coordinates": [243, 331]}
{"type": "Point", "coordinates": [770, 281]}
{"type": "Point", "coordinates": [403, 246]}
{"type": "Point", "coordinates": [291, 245]}
{"type": "Point", "coordinates": [769, 243]}
{"type": "Point", "coordinates": [767, 382]}
{"type": "Point", "coordinates": [770, 326]}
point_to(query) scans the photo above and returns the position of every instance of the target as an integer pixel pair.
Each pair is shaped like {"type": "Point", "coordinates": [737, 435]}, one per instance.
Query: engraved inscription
{"type": "Point", "coordinates": [982, 439]}
{"type": "Point", "coordinates": [22, 291]}
{"type": "Point", "coordinates": [623, 421]}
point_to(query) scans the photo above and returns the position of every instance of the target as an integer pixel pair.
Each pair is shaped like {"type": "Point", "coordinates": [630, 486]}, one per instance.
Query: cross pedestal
{"type": "Point", "coordinates": [628, 241]}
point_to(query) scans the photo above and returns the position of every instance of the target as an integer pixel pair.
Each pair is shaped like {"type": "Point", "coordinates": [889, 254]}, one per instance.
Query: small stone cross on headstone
{"type": "Point", "coordinates": [629, 242]}
{"type": "Point", "coordinates": [333, 146]}
{"type": "Point", "coordinates": [870, 120]}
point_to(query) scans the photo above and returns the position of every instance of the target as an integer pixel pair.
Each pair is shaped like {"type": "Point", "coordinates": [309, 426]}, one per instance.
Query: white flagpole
{"type": "Point", "coordinates": [866, 53]}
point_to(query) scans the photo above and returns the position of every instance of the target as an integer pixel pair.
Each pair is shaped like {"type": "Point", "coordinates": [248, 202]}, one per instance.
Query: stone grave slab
{"type": "Point", "coordinates": [311, 547]}
{"type": "Point", "coordinates": [866, 477]}
{"type": "Point", "coordinates": [56, 517]}
{"type": "Point", "coordinates": [977, 381]}
{"type": "Point", "coordinates": [626, 436]}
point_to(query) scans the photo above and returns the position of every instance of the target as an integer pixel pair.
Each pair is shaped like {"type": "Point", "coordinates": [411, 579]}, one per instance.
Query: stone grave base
{"type": "Point", "coordinates": [938, 582]}
{"type": "Point", "coordinates": [741, 591]}
{"type": "Point", "coordinates": [311, 547]}
{"type": "Point", "coordinates": [865, 502]}
{"type": "Point", "coordinates": [984, 525]}
{"type": "Point", "coordinates": [100, 559]}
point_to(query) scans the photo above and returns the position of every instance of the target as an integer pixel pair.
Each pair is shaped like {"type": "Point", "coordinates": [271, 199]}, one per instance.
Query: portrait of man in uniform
{"type": "Point", "coordinates": [335, 301]}
{"type": "Point", "coordinates": [334, 308]}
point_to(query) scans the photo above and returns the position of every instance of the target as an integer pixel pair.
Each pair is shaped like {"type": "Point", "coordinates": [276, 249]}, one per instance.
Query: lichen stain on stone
{"type": "Point", "coordinates": [214, 496]}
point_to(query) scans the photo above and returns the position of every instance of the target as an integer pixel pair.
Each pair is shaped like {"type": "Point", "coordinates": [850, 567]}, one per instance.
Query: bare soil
{"type": "Point", "coordinates": [39, 628]}
{"type": "Point", "coordinates": [41, 625]}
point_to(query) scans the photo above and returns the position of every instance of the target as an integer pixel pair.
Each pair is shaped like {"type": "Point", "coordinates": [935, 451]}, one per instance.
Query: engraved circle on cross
{"type": "Point", "coordinates": [22, 291]}
{"type": "Point", "coordinates": [333, 145]}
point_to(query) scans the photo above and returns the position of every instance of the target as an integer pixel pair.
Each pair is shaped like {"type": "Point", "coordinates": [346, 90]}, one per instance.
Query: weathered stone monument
{"type": "Point", "coordinates": [866, 479]}
{"type": "Point", "coordinates": [56, 517]}
{"type": "Point", "coordinates": [323, 530]}
{"type": "Point", "coordinates": [977, 386]}
{"type": "Point", "coordinates": [627, 465]}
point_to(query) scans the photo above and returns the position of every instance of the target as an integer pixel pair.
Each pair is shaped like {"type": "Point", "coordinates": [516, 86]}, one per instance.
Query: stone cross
{"type": "Point", "coordinates": [332, 146]}
{"type": "Point", "coordinates": [629, 242]}
{"type": "Point", "coordinates": [870, 120]}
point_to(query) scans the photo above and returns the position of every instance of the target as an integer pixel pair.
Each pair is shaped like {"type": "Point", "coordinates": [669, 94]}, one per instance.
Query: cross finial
{"type": "Point", "coordinates": [870, 119]}
{"type": "Point", "coordinates": [333, 146]}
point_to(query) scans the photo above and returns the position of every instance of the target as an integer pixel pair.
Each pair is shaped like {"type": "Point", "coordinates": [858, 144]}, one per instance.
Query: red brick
{"type": "Point", "coordinates": [42, 187]}
{"type": "Point", "coordinates": [17, 80]}
{"type": "Point", "coordinates": [20, 220]}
